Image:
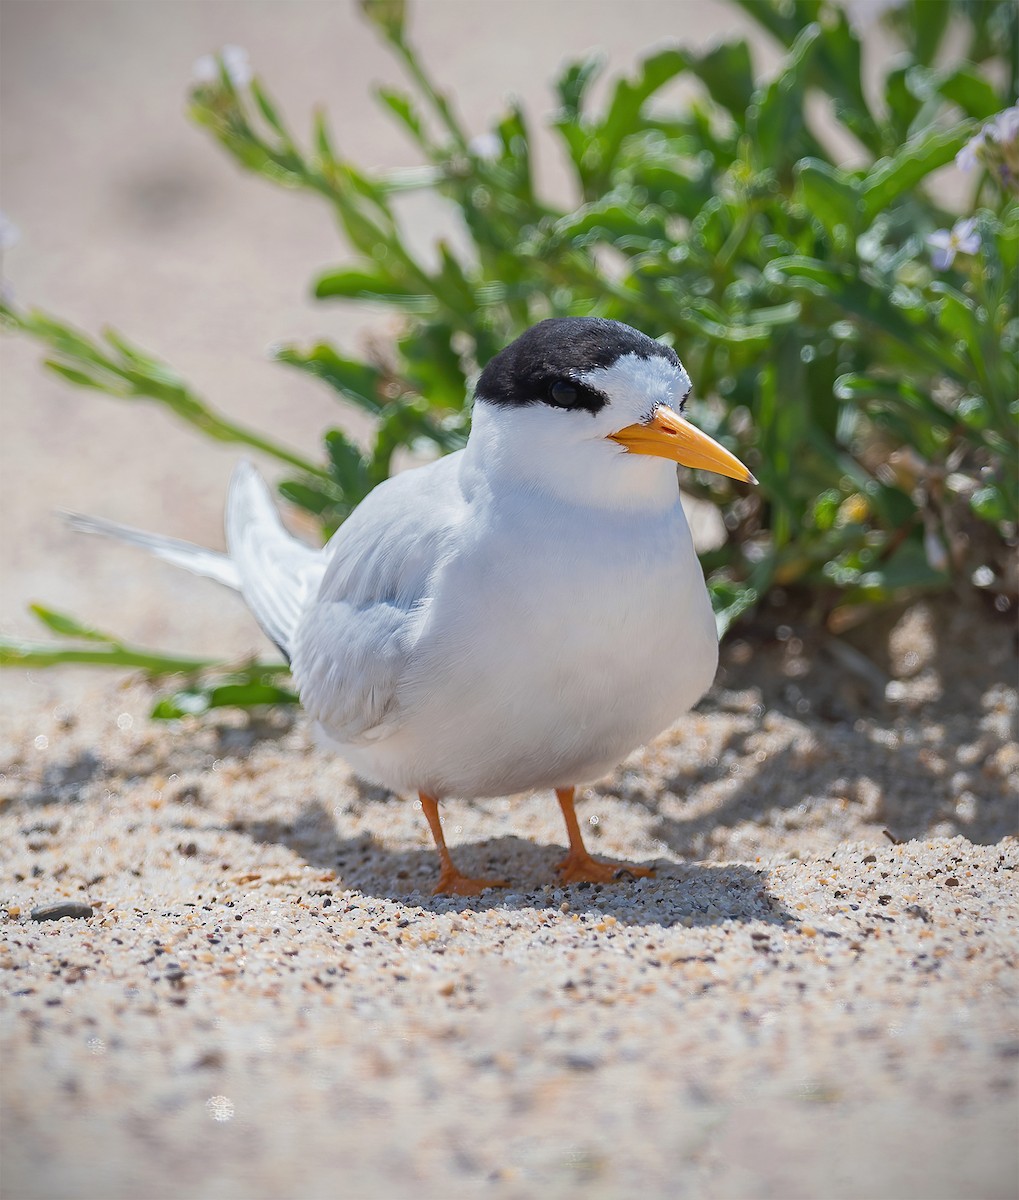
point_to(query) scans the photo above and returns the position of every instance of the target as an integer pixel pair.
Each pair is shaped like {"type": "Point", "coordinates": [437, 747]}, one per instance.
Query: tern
{"type": "Point", "coordinates": [521, 614]}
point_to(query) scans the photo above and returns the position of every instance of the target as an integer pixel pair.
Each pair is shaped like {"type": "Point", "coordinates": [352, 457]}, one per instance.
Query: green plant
{"type": "Point", "coordinates": [871, 387]}
{"type": "Point", "coordinates": [207, 683]}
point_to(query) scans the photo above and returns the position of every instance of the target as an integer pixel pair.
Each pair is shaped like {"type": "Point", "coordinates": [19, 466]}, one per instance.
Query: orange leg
{"type": "Point", "coordinates": [451, 882]}
{"type": "Point", "coordinates": [578, 866]}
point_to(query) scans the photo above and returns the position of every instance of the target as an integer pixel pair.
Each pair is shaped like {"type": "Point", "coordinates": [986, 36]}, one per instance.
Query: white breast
{"type": "Point", "coordinates": [554, 645]}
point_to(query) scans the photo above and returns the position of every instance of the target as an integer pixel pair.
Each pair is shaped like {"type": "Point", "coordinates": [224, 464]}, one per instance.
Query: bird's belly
{"type": "Point", "coordinates": [555, 684]}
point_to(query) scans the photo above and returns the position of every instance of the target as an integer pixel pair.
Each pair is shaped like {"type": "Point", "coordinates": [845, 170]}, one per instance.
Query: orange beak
{"type": "Point", "coordinates": [668, 435]}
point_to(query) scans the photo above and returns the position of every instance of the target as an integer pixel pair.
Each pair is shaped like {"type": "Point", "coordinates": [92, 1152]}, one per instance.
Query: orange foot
{"type": "Point", "coordinates": [580, 867]}
{"type": "Point", "coordinates": [452, 883]}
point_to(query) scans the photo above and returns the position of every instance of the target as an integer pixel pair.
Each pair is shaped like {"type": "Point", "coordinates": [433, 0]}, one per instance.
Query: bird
{"type": "Point", "coordinates": [518, 615]}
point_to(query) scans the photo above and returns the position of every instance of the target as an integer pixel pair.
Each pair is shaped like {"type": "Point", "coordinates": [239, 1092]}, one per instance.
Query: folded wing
{"type": "Point", "coordinates": [355, 640]}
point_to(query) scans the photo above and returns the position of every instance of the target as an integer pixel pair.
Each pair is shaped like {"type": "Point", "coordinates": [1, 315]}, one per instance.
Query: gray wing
{"type": "Point", "coordinates": [355, 640]}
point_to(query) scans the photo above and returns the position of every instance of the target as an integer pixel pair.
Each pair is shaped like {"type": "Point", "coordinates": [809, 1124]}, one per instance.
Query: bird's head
{"type": "Point", "coordinates": [591, 409]}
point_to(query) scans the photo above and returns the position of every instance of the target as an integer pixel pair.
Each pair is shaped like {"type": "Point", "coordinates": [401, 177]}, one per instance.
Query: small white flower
{"type": "Point", "coordinates": [934, 550]}
{"type": "Point", "coordinates": [996, 147]}
{"type": "Point", "coordinates": [235, 62]}
{"type": "Point", "coordinates": [946, 244]}
{"type": "Point", "coordinates": [204, 70]}
{"type": "Point", "coordinates": [969, 156]}
{"type": "Point", "coordinates": [486, 145]}
{"type": "Point", "coordinates": [1004, 129]}
{"type": "Point", "coordinates": [10, 234]}
{"type": "Point", "coordinates": [967, 240]}
{"type": "Point", "coordinates": [238, 65]}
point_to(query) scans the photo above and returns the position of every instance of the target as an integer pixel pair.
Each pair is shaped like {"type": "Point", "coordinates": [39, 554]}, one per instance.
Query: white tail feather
{"type": "Point", "coordinates": [276, 574]}
{"type": "Point", "coordinates": [279, 575]}
{"type": "Point", "coordinates": [195, 559]}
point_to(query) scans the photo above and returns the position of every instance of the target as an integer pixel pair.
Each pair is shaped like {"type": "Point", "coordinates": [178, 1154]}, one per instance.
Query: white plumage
{"type": "Point", "coordinates": [521, 614]}
{"type": "Point", "coordinates": [496, 638]}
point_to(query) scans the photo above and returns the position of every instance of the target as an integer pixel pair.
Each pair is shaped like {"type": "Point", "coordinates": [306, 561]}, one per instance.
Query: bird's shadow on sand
{"type": "Point", "coordinates": [692, 894]}
{"type": "Point", "coordinates": [908, 795]}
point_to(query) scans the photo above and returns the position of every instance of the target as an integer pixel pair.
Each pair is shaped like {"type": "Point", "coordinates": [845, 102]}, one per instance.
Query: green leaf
{"type": "Point", "coordinates": [629, 98]}
{"type": "Point", "coordinates": [896, 394]}
{"type": "Point", "coordinates": [246, 695]}
{"type": "Point", "coordinates": [352, 284]}
{"type": "Point", "coordinates": [890, 177]}
{"type": "Point", "coordinates": [957, 316]}
{"type": "Point", "coordinates": [402, 105]}
{"type": "Point", "coordinates": [388, 15]}
{"type": "Point", "coordinates": [1007, 239]}
{"type": "Point", "coordinates": [356, 381]}
{"type": "Point", "coordinates": [608, 220]}
{"type": "Point", "coordinates": [830, 195]}
{"type": "Point", "coordinates": [837, 68]}
{"type": "Point", "coordinates": [68, 626]}
{"type": "Point", "coordinates": [134, 375]}
{"type": "Point", "coordinates": [989, 504]}
{"type": "Point", "coordinates": [180, 704]}
{"type": "Point", "coordinates": [349, 468]}
{"type": "Point", "coordinates": [28, 655]}
{"type": "Point", "coordinates": [15, 652]}
{"type": "Point", "coordinates": [269, 111]}
{"type": "Point", "coordinates": [572, 85]}
{"type": "Point", "coordinates": [783, 19]}
{"type": "Point", "coordinates": [194, 701]}
{"type": "Point", "coordinates": [728, 74]}
{"type": "Point", "coordinates": [817, 276]}
{"type": "Point", "coordinates": [963, 85]}
{"type": "Point", "coordinates": [798, 293]}
{"type": "Point", "coordinates": [433, 367]}
{"type": "Point", "coordinates": [730, 601]}
{"type": "Point", "coordinates": [755, 326]}
{"type": "Point", "coordinates": [927, 22]}
{"type": "Point", "coordinates": [456, 285]}
{"type": "Point", "coordinates": [74, 375]}
{"type": "Point", "coordinates": [871, 302]}
{"type": "Point", "coordinates": [322, 138]}
{"type": "Point", "coordinates": [908, 568]}
{"type": "Point", "coordinates": [324, 499]}
{"type": "Point", "coordinates": [901, 99]}
{"type": "Point", "coordinates": [512, 129]}
{"type": "Point", "coordinates": [778, 132]}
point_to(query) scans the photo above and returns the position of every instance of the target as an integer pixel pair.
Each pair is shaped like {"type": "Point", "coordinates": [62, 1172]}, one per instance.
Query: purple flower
{"type": "Point", "coordinates": [946, 244]}
{"type": "Point", "coordinates": [969, 156]}
{"type": "Point", "coordinates": [1004, 129]}
{"type": "Point", "coordinates": [996, 147]}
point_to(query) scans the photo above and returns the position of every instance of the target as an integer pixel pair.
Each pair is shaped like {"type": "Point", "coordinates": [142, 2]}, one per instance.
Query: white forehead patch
{"type": "Point", "coordinates": [637, 386]}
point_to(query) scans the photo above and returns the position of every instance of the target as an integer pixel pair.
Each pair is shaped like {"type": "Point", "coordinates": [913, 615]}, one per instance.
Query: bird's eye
{"type": "Point", "coordinates": [563, 394]}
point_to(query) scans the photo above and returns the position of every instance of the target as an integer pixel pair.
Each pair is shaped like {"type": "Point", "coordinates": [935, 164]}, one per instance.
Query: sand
{"type": "Point", "coordinates": [815, 996]}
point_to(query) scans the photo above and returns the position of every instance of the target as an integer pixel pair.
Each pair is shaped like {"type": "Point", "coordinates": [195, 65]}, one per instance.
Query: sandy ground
{"type": "Point", "coordinates": [817, 994]}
